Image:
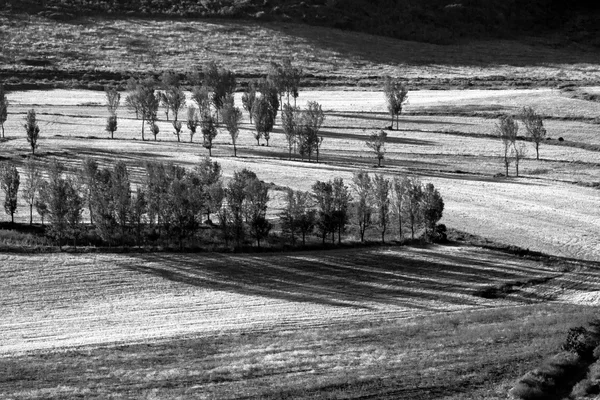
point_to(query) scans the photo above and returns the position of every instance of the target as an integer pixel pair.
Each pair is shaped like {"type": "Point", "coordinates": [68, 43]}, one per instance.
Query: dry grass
{"type": "Point", "coordinates": [340, 57]}
{"type": "Point", "coordinates": [395, 322]}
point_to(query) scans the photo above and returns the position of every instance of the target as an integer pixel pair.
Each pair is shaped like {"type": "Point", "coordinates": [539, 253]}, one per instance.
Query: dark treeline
{"type": "Point", "coordinates": [192, 208]}
{"type": "Point", "coordinates": [438, 21]}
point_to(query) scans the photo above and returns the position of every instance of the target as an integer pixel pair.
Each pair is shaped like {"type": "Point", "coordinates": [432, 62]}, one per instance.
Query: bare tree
{"type": "Point", "coordinates": [292, 77]}
{"type": "Point", "coordinates": [507, 129]}
{"type": "Point", "coordinates": [400, 187]}
{"type": "Point", "coordinates": [363, 186]}
{"type": "Point", "coordinates": [32, 130]}
{"type": "Point", "coordinates": [113, 99]}
{"type": "Point", "coordinates": [3, 108]}
{"type": "Point", "coordinates": [376, 142]}
{"type": "Point", "coordinates": [519, 151]}
{"type": "Point", "coordinates": [174, 99]}
{"type": "Point", "coordinates": [413, 195]}
{"type": "Point", "coordinates": [144, 102]}
{"type": "Point", "coordinates": [312, 118]}
{"type": "Point", "coordinates": [290, 125]}
{"type": "Point", "coordinates": [396, 95]}
{"type": "Point", "coordinates": [32, 185]}
{"type": "Point", "coordinates": [535, 128]}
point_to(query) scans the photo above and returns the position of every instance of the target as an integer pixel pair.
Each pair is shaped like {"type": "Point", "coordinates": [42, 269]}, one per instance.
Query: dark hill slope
{"type": "Point", "coordinates": [437, 21]}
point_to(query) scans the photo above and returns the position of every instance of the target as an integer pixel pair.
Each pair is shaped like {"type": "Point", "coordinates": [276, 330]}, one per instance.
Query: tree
{"type": "Point", "coordinates": [308, 141]}
{"type": "Point", "coordinates": [235, 196]}
{"type": "Point", "coordinates": [10, 180]}
{"type": "Point", "coordinates": [103, 205]}
{"type": "Point", "coordinates": [400, 187]}
{"type": "Point", "coordinates": [111, 125]}
{"type": "Point", "coordinates": [210, 175]}
{"type": "Point", "coordinates": [156, 188]}
{"type": "Point", "coordinates": [432, 209]}
{"type": "Point", "coordinates": [535, 128]}
{"type": "Point", "coordinates": [276, 81]}
{"type": "Point", "coordinates": [271, 93]}
{"type": "Point", "coordinates": [382, 188]}
{"type": "Point", "coordinates": [74, 209]}
{"type": "Point", "coordinates": [323, 194]}
{"type": "Point", "coordinates": [138, 211]}
{"type": "Point", "coordinates": [113, 100]}
{"type": "Point", "coordinates": [177, 125]}
{"type": "Point", "coordinates": [264, 119]}
{"type": "Point", "coordinates": [341, 202]}
{"type": "Point", "coordinates": [32, 185]}
{"type": "Point", "coordinates": [41, 203]}
{"type": "Point", "coordinates": [209, 132]}
{"type": "Point", "coordinates": [256, 199]}
{"type": "Point", "coordinates": [376, 142]}
{"type": "Point", "coordinates": [411, 202]}
{"type": "Point", "coordinates": [144, 102]}
{"type": "Point", "coordinates": [56, 196]}
{"type": "Point", "coordinates": [519, 151]}
{"type": "Point", "coordinates": [182, 206]}
{"type": "Point", "coordinates": [88, 177]}
{"type": "Point", "coordinates": [507, 129]}
{"type": "Point", "coordinates": [363, 186]}
{"type": "Point", "coordinates": [231, 118]}
{"type": "Point", "coordinates": [290, 125]}
{"type": "Point", "coordinates": [221, 82]}
{"type": "Point", "coordinates": [192, 122]}
{"type": "Point", "coordinates": [32, 130]}
{"type": "Point", "coordinates": [174, 99]}
{"type": "Point", "coordinates": [249, 97]}
{"type": "Point", "coordinates": [312, 120]}
{"type": "Point", "coordinates": [297, 216]}
{"type": "Point", "coordinates": [292, 77]}
{"type": "Point", "coordinates": [3, 108]}
{"type": "Point", "coordinates": [154, 129]}
{"type": "Point", "coordinates": [121, 195]}
{"type": "Point", "coordinates": [396, 95]}
{"type": "Point", "coordinates": [201, 95]}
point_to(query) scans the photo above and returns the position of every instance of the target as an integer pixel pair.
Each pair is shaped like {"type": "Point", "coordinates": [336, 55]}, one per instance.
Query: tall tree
{"type": "Point", "coordinates": [312, 120]}
{"type": "Point", "coordinates": [201, 95]}
{"type": "Point", "coordinates": [249, 97]}
{"type": "Point", "coordinates": [519, 151]}
{"type": "Point", "coordinates": [75, 203]}
{"type": "Point", "coordinates": [256, 199]}
{"type": "Point", "coordinates": [235, 195]}
{"type": "Point", "coordinates": [10, 180]}
{"type": "Point", "coordinates": [144, 102]}
{"type": "Point", "coordinates": [209, 132]}
{"type": "Point", "coordinates": [56, 196]}
{"type": "Point", "coordinates": [291, 127]}
{"type": "Point", "coordinates": [231, 119]}
{"type": "Point", "coordinates": [264, 119]}
{"type": "Point", "coordinates": [382, 188]}
{"type": "Point", "coordinates": [182, 206]}
{"type": "Point", "coordinates": [507, 129]}
{"type": "Point", "coordinates": [297, 217]}
{"type": "Point", "coordinates": [341, 202]}
{"type": "Point", "coordinates": [396, 95]}
{"type": "Point", "coordinates": [32, 185]}
{"type": "Point", "coordinates": [192, 122]}
{"type": "Point", "coordinates": [138, 211]}
{"type": "Point", "coordinates": [177, 126]}
{"type": "Point", "coordinates": [156, 188]}
{"type": "Point", "coordinates": [323, 194]}
{"type": "Point", "coordinates": [400, 187]}
{"type": "Point", "coordinates": [363, 186]}
{"type": "Point", "coordinates": [3, 108]}
{"type": "Point", "coordinates": [89, 180]}
{"type": "Point", "coordinates": [413, 196]}
{"type": "Point", "coordinates": [535, 128]}
{"type": "Point", "coordinates": [292, 77]}
{"type": "Point", "coordinates": [275, 82]}
{"type": "Point", "coordinates": [432, 209]}
{"type": "Point", "coordinates": [221, 82]}
{"type": "Point", "coordinates": [174, 100]}
{"type": "Point", "coordinates": [121, 195]}
{"type": "Point", "coordinates": [376, 142]}
{"type": "Point", "coordinates": [113, 100]}
{"type": "Point", "coordinates": [210, 177]}
{"type": "Point", "coordinates": [111, 125]}
{"type": "Point", "coordinates": [32, 130]}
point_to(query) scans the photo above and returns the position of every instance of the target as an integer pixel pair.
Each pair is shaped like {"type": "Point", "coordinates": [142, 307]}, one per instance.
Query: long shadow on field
{"type": "Point", "coordinates": [402, 278]}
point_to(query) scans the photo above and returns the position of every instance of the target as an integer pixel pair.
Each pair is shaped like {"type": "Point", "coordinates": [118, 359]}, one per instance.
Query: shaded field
{"type": "Point", "coordinates": [384, 322]}
{"type": "Point", "coordinates": [96, 50]}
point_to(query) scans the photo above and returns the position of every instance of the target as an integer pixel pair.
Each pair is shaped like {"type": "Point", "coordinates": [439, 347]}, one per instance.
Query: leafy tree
{"type": "Point", "coordinates": [411, 202]}
{"type": "Point", "coordinates": [156, 188]}
{"type": "Point", "coordinates": [292, 77]}
{"type": "Point", "coordinates": [535, 128]}
{"type": "Point", "coordinates": [308, 141]}
{"type": "Point", "coordinates": [376, 142]}
{"type": "Point", "coordinates": [382, 187]}
{"type": "Point", "coordinates": [154, 129]}
{"type": "Point", "coordinates": [121, 195]}
{"type": "Point", "coordinates": [225, 224]}
{"type": "Point", "coordinates": [192, 122]}
{"type": "Point", "coordinates": [32, 185]}
{"type": "Point", "coordinates": [89, 180]}
{"type": "Point", "coordinates": [201, 95]}
{"type": "Point", "coordinates": [182, 205]}
{"type": "Point", "coordinates": [297, 216]}
{"type": "Point", "coordinates": [249, 97]}
{"type": "Point", "coordinates": [341, 202]}
{"type": "Point", "coordinates": [270, 92]}
{"type": "Point", "coordinates": [256, 199]}
{"type": "Point", "coordinates": [103, 205]}
{"type": "Point", "coordinates": [41, 203]}
{"type": "Point", "coordinates": [111, 125]}
{"type": "Point", "coordinates": [507, 128]}
{"type": "Point", "coordinates": [210, 176]}
{"type": "Point", "coordinates": [138, 211]}
{"type": "Point", "coordinates": [144, 102]}
{"type": "Point", "coordinates": [113, 100]}
{"type": "Point", "coordinates": [290, 125]}
{"type": "Point", "coordinates": [209, 132]}
{"type": "Point", "coordinates": [56, 197]}
{"type": "Point", "coordinates": [177, 125]}
{"type": "Point", "coordinates": [174, 100]}
{"type": "Point", "coordinates": [312, 120]}
{"type": "Point", "coordinates": [231, 119]}
{"type": "Point", "coordinates": [3, 108]}
{"type": "Point", "coordinates": [400, 187]}
{"type": "Point", "coordinates": [221, 82]}
{"type": "Point", "coordinates": [32, 130]}
{"type": "Point", "coordinates": [275, 82]}
{"type": "Point", "coordinates": [264, 119]}
{"type": "Point", "coordinates": [235, 194]}
{"type": "Point", "coordinates": [396, 95]}
{"type": "Point", "coordinates": [363, 186]}
{"type": "Point", "coordinates": [10, 180]}
{"type": "Point", "coordinates": [323, 194]}
{"type": "Point", "coordinates": [74, 209]}
{"type": "Point", "coordinates": [432, 209]}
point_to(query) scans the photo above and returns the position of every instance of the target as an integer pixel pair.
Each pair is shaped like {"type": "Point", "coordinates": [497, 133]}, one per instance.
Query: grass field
{"type": "Point", "coordinates": [382, 323]}
{"type": "Point", "coordinates": [35, 49]}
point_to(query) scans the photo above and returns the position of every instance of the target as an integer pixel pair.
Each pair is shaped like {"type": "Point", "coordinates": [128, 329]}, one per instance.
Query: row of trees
{"type": "Point", "coordinates": [507, 129]}
{"type": "Point", "coordinates": [173, 203]}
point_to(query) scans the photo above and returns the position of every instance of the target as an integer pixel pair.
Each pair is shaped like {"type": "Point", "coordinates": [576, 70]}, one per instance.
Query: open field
{"type": "Point", "coordinates": [91, 51]}
{"type": "Point", "coordinates": [377, 323]}
{"type": "Point", "coordinates": [547, 209]}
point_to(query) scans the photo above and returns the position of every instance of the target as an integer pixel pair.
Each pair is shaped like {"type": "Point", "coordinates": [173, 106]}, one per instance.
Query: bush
{"type": "Point", "coordinates": [580, 341]}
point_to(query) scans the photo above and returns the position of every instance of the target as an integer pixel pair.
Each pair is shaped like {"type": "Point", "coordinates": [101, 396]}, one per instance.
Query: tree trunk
{"type": "Point", "coordinates": [143, 121]}
{"type": "Point", "coordinates": [12, 218]}
{"type": "Point", "coordinates": [412, 230]}
{"type": "Point", "coordinates": [537, 151]}
{"type": "Point", "coordinates": [383, 235]}
{"type": "Point", "coordinates": [3, 131]}
{"type": "Point", "coordinates": [234, 150]}
{"type": "Point", "coordinates": [506, 165]}
{"type": "Point", "coordinates": [210, 151]}
{"type": "Point", "coordinates": [303, 238]}
{"type": "Point", "coordinates": [379, 161]}
{"type": "Point", "coordinates": [31, 214]}
{"type": "Point", "coordinates": [397, 119]}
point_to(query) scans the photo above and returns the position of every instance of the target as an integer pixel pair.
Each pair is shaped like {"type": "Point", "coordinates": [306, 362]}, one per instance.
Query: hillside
{"type": "Point", "coordinates": [435, 21]}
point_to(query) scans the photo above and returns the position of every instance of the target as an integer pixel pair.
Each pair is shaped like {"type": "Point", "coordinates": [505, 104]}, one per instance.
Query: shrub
{"type": "Point", "coordinates": [580, 341]}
